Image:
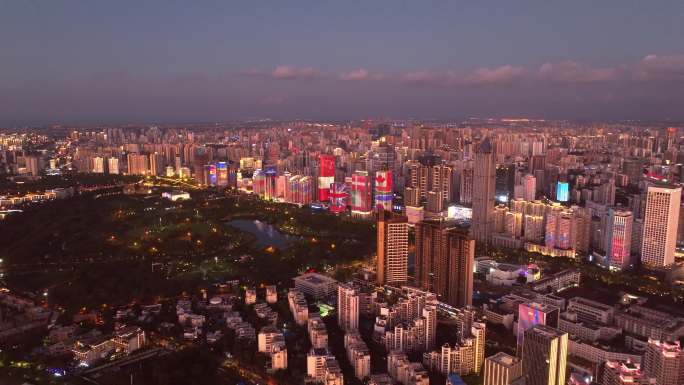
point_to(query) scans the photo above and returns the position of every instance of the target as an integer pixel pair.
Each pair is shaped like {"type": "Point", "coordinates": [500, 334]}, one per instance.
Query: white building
{"type": "Point", "coordinates": [660, 225]}
{"type": "Point", "coordinates": [316, 285]}
{"type": "Point", "coordinates": [298, 306]}
{"type": "Point", "coordinates": [347, 307]}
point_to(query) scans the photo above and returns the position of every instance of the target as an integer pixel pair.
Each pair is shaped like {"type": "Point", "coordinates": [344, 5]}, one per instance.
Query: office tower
{"type": "Point", "coordinates": [531, 314]}
{"type": "Point", "coordinates": [222, 175]}
{"type": "Point", "coordinates": [326, 176]}
{"type": "Point", "coordinates": [618, 238]}
{"type": "Point", "coordinates": [484, 176]}
{"type": "Point", "coordinates": [392, 254]}
{"type": "Point", "coordinates": [444, 261]}
{"type": "Point", "coordinates": [347, 307]}
{"type": "Point", "coordinates": [381, 158]}
{"type": "Point", "coordinates": [505, 182]}
{"type": "Point", "coordinates": [544, 356]}
{"type": "Point", "coordinates": [502, 369]}
{"type": "Point", "coordinates": [98, 165]}
{"type": "Point", "coordinates": [664, 361]}
{"type": "Point", "coordinates": [383, 190]}
{"type": "Point", "coordinates": [634, 169]}
{"type": "Point", "coordinates": [660, 225]}
{"type": "Point", "coordinates": [465, 194]}
{"type": "Point", "coordinates": [562, 191]}
{"type": "Point", "coordinates": [113, 165]}
{"type": "Point", "coordinates": [361, 194]}
{"type": "Point", "coordinates": [529, 184]}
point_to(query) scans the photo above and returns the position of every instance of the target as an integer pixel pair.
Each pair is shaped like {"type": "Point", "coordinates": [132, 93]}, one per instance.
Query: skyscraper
{"type": "Point", "coordinates": [326, 176]}
{"type": "Point", "coordinates": [347, 307]}
{"type": "Point", "coordinates": [444, 261]}
{"type": "Point", "coordinates": [618, 238]}
{"type": "Point", "coordinates": [545, 354]}
{"type": "Point", "coordinates": [484, 178]}
{"type": "Point", "coordinates": [531, 314]}
{"type": "Point", "coordinates": [383, 190]}
{"type": "Point", "coordinates": [392, 253]}
{"type": "Point", "coordinates": [529, 183]}
{"type": "Point", "coordinates": [660, 225]}
{"type": "Point", "coordinates": [361, 193]}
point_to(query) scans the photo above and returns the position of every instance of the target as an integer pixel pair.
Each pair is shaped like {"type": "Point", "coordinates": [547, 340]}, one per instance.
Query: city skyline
{"type": "Point", "coordinates": [218, 61]}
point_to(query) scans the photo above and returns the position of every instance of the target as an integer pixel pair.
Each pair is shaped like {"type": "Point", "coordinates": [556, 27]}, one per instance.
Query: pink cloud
{"type": "Point", "coordinates": [480, 77]}
{"type": "Point", "coordinates": [574, 72]}
{"type": "Point", "coordinates": [494, 76]}
{"type": "Point", "coordinates": [290, 72]}
{"type": "Point", "coordinates": [654, 67]}
{"type": "Point", "coordinates": [361, 74]}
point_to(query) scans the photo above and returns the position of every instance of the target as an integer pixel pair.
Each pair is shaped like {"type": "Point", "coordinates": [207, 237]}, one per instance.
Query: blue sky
{"type": "Point", "coordinates": [118, 61]}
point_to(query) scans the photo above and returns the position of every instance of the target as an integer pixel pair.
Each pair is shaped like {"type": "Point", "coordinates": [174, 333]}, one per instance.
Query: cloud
{"type": "Point", "coordinates": [574, 72]}
{"type": "Point", "coordinates": [289, 72]}
{"type": "Point", "coordinates": [503, 75]}
{"type": "Point", "coordinates": [284, 72]}
{"type": "Point", "coordinates": [421, 78]}
{"type": "Point", "coordinates": [654, 67]}
{"type": "Point", "coordinates": [361, 74]}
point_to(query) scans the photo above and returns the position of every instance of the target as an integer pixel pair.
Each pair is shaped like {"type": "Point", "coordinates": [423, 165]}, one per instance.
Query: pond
{"type": "Point", "coordinates": [266, 234]}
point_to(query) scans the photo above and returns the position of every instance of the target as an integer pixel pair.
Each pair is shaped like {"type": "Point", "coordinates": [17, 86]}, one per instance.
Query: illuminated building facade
{"type": "Point", "coordinates": [383, 190]}
{"type": "Point", "coordinates": [339, 197]}
{"type": "Point", "coordinates": [618, 238]}
{"type": "Point", "coordinates": [361, 193]}
{"type": "Point", "coordinates": [326, 176]}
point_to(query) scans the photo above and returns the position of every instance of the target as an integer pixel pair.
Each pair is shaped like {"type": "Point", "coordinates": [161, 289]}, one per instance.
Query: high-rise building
{"type": "Point", "coordinates": [113, 165]}
{"type": "Point", "coordinates": [383, 190]}
{"type": "Point", "coordinates": [347, 307]}
{"type": "Point", "coordinates": [339, 196]}
{"type": "Point", "coordinates": [98, 165]}
{"type": "Point", "coordinates": [531, 314]}
{"type": "Point", "coordinates": [664, 361]}
{"type": "Point", "coordinates": [559, 225]}
{"type": "Point", "coordinates": [660, 225]}
{"type": "Point", "coordinates": [138, 164]}
{"type": "Point", "coordinates": [361, 193]}
{"type": "Point", "coordinates": [544, 356]}
{"type": "Point", "coordinates": [502, 369]}
{"type": "Point", "coordinates": [444, 261]}
{"type": "Point", "coordinates": [392, 252]}
{"type": "Point", "coordinates": [529, 183]}
{"type": "Point", "coordinates": [562, 191]}
{"type": "Point", "coordinates": [484, 177]}
{"type": "Point", "coordinates": [465, 194]}
{"type": "Point", "coordinates": [326, 176]}
{"type": "Point", "coordinates": [618, 238]}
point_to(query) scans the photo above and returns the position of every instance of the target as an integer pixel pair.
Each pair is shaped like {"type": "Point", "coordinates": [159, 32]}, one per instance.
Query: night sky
{"type": "Point", "coordinates": [123, 61]}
